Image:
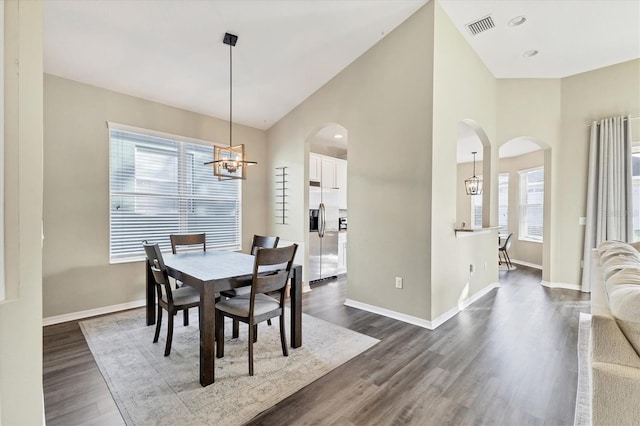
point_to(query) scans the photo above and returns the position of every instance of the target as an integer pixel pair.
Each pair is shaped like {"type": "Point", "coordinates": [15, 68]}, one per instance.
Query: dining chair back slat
{"type": "Point", "coordinates": [188, 240]}
{"type": "Point", "coordinates": [271, 283]}
{"type": "Point", "coordinates": [260, 241]}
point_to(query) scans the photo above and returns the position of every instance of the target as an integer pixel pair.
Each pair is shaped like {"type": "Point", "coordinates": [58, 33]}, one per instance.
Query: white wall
{"type": "Point", "coordinates": [2, 65]}
{"type": "Point", "coordinates": [586, 97]}
{"type": "Point", "coordinates": [77, 273]}
{"type": "Point", "coordinates": [556, 113]}
{"type": "Point", "coordinates": [21, 315]}
{"type": "Point", "coordinates": [464, 89]}
{"type": "Point", "coordinates": [384, 100]}
{"type": "Point", "coordinates": [402, 211]}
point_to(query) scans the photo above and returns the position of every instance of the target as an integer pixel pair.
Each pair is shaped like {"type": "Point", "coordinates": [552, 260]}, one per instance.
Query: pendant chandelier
{"type": "Point", "coordinates": [230, 163]}
{"type": "Point", "coordinates": [473, 185]}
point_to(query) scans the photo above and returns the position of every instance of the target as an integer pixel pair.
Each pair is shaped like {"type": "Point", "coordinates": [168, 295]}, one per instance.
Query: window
{"type": "Point", "coordinates": [159, 185]}
{"type": "Point", "coordinates": [531, 204]}
{"type": "Point", "coordinates": [503, 203]}
{"type": "Point", "coordinates": [476, 210]}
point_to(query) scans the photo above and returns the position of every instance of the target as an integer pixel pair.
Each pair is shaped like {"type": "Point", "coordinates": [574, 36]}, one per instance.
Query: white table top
{"type": "Point", "coordinates": [211, 265]}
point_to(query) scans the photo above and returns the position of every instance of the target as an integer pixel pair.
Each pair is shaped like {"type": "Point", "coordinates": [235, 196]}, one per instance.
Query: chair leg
{"type": "Point", "coordinates": [236, 329]}
{"type": "Point", "coordinates": [283, 337]}
{"type": "Point", "coordinates": [158, 323]}
{"type": "Point", "coordinates": [167, 348]}
{"type": "Point", "coordinates": [269, 321]}
{"type": "Point", "coordinates": [252, 330]}
{"type": "Point", "coordinates": [186, 317]}
{"type": "Point", "coordinates": [255, 333]}
{"type": "Point", "coordinates": [509, 264]}
{"type": "Point", "coordinates": [219, 334]}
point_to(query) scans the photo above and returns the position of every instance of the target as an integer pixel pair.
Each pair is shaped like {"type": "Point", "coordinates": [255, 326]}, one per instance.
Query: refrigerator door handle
{"type": "Point", "coordinates": [322, 224]}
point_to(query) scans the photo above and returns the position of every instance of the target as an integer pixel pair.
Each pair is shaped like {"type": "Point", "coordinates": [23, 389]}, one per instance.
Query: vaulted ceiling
{"type": "Point", "coordinates": [172, 52]}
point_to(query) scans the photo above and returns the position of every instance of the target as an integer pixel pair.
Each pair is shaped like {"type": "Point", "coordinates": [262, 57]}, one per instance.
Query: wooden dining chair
{"type": "Point", "coordinates": [257, 307]}
{"type": "Point", "coordinates": [257, 242]}
{"type": "Point", "coordinates": [190, 241]}
{"type": "Point", "coordinates": [173, 301]}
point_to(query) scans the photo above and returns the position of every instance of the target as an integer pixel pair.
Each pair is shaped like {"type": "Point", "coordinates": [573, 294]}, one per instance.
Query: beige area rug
{"type": "Point", "coordinates": [583, 395]}
{"type": "Point", "coordinates": [149, 388]}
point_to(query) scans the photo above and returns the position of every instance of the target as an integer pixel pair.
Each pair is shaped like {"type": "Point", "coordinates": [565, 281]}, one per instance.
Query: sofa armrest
{"type": "Point", "coordinates": [609, 344]}
{"type": "Point", "coordinates": [615, 397]}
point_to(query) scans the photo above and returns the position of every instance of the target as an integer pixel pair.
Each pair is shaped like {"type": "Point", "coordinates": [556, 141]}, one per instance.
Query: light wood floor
{"type": "Point", "coordinates": [510, 358]}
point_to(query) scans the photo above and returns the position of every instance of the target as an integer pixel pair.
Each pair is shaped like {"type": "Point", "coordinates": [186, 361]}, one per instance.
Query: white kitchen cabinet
{"type": "Point", "coordinates": [315, 167]}
{"type": "Point", "coordinates": [341, 183]}
{"type": "Point", "coordinates": [329, 172]}
{"type": "Point", "coordinates": [323, 169]}
{"type": "Point", "coordinates": [342, 252]}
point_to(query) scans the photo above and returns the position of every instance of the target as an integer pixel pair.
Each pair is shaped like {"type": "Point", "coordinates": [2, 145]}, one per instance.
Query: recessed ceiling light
{"type": "Point", "coordinates": [530, 53]}
{"type": "Point", "coordinates": [518, 20]}
{"type": "Point", "coordinates": [338, 136]}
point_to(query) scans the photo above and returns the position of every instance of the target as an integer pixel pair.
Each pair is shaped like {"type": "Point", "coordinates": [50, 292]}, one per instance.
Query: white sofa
{"type": "Point", "coordinates": [615, 335]}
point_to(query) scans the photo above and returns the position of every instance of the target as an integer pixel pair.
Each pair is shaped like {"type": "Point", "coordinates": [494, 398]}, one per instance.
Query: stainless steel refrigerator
{"type": "Point", "coordinates": [323, 233]}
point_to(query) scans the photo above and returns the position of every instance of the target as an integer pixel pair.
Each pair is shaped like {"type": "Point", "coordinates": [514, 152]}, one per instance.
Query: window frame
{"type": "Point", "coordinates": [508, 182]}
{"type": "Point", "coordinates": [523, 235]}
{"type": "Point", "coordinates": [183, 178]}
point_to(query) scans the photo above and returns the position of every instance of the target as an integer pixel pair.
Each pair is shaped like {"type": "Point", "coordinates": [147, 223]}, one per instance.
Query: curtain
{"type": "Point", "coordinates": [609, 188]}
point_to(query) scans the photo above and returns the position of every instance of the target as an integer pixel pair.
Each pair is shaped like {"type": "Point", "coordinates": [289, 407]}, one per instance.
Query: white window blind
{"type": "Point", "coordinates": [531, 204]}
{"type": "Point", "coordinates": [476, 210]}
{"type": "Point", "coordinates": [503, 203]}
{"type": "Point", "coordinates": [159, 186]}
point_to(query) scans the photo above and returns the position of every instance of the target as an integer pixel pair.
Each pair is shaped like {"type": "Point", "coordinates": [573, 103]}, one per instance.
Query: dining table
{"type": "Point", "coordinates": [211, 272]}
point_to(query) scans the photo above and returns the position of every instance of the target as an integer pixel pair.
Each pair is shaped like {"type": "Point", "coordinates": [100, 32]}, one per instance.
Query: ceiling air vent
{"type": "Point", "coordinates": [480, 25]}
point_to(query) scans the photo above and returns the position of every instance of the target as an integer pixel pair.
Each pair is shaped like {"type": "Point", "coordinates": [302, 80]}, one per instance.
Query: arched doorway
{"type": "Point", "coordinates": [469, 208]}
{"type": "Point", "coordinates": [328, 209]}
{"type": "Point", "coordinates": [524, 182]}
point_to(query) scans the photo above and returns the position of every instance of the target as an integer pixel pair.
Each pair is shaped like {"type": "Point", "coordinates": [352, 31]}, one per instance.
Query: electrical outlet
{"type": "Point", "coordinates": [398, 282]}
{"type": "Point", "coordinates": [471, 268]}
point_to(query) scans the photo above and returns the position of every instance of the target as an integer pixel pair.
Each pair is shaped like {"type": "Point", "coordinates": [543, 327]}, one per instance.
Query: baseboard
{"type": "Point", "coordinates": [441, 319]}
{"type": "Point", "coordinates": [561, 285]}
{"type": "Point", "coordinates": [73, 316]}
{"type": "Point", "coordinates": [523, 263]}
{"type": "Point", "coordinates": [420, 322]}
{"type": "Point", "coordinates": [468, 301]}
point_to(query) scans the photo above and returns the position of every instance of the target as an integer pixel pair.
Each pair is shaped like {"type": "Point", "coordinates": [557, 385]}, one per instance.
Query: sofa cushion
{"type": "Point", "coordinates": [613, 245]}
{"type": "Point", "coordinates": [610, 254]}
{"type": "Point", "coordinates": [617, 263]}
{"type": "Point", "coordinates": [623, 291]}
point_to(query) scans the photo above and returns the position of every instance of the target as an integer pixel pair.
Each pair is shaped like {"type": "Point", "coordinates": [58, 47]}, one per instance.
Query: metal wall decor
{"type": "Point", "coordinates": [281, 195]}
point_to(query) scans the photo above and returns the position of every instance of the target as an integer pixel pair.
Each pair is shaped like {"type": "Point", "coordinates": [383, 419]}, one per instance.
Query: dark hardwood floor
{"type": "Point", "coordinates": [510, 358]}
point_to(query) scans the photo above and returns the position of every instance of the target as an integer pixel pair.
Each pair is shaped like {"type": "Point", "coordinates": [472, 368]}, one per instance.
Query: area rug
{"type": "Point", "coordinates": [149, 388]}
{"type": "Point", "coordinates": [583, 396]}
